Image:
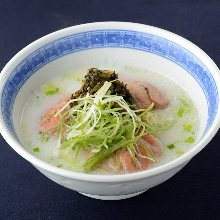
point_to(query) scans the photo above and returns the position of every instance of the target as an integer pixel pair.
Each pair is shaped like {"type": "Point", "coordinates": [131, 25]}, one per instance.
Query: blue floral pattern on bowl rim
{"type": "Point", "coordinates": [105, 39]}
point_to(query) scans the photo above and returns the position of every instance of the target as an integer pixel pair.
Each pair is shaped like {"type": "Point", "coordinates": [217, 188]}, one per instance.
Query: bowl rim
{"type": "Point", "coordinates": [110, 178]}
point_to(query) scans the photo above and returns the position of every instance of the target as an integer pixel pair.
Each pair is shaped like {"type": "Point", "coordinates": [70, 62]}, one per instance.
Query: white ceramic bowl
{"type": "Point", "coordinates": [124, 47]}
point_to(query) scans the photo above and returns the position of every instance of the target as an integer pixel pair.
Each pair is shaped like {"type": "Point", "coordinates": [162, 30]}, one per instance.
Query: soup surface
{"type": "Point", "coordinates": [172, 126]}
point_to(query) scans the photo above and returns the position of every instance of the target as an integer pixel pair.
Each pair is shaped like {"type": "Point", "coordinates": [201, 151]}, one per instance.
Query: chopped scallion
{"type": "Point", "coordinates": [36, 149]}
{"type": "Point", "coordinates": [180, 152]}
{"type": "Point", "coordinates": [50, 90]}
{"type": "Point", "coordinates": [189, 140]}
{"type": "Point", "coordinates": [188, 127]}
{"type": "Point", "coordinates": [181, 112]}
{"type": "Point", "coordinates": [171, 146]}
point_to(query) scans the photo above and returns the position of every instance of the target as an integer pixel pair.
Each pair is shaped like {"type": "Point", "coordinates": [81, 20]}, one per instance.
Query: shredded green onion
{"type": "Point", "coordinates": [101, 124]}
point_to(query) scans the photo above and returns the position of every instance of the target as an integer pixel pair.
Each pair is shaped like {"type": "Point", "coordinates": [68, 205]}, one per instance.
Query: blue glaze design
{"type": "Point", "coordinates": [105, 39]}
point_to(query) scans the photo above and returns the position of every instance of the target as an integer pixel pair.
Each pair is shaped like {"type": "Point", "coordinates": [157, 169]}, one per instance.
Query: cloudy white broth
{"type": "Point", "coordinates": [107, 127]}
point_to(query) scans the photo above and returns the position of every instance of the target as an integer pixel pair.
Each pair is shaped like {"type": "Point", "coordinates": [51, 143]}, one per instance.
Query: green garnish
{"type": "Point", "coordinates": [189, 140]}
{"type": "Point", "coordinates": [51, 90]}
{"type": "Point", "coordinates": [59, 165]}
{"type": "Point", "coordinates": [171, 146]}
{"type": "Point", "coordinates": [185, 102]}
{"type": "Point", "coordinates": [36, 149]}
{"type": "Point", "coordinates": [93, 161]}
{"type": "Point", "coordinates": [180, 152]}
{"type": "Point", "coordinates": [185, 106]}
{"type": "Point", "coordinates": [101, 124]}
{"type": "Point", "coordinates": [188, 127]}
{"type": "Point", "coordinates": [181, 112]}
